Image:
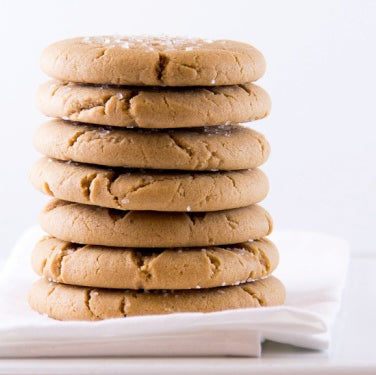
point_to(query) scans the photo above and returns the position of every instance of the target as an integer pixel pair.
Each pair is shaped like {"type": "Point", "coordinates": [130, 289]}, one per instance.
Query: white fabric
{"type": "Point", "coordinates": [313, 268]}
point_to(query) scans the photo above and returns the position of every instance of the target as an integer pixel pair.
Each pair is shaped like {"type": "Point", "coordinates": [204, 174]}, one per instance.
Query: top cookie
{"type": "Point", "coordinates": [152, 61]}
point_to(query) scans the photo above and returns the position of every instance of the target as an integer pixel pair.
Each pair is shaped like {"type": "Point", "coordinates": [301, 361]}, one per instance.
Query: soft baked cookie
{"type": "Point", "coordinates": [103, 226]}
{"type": "Point", "coordinates": [152, 61]}
{"type": "Point", "coordinates": [67, 302]}
{"type": "Point", "coordinates": [153, 107]}
{"type": "Point", "coordinates": [127, 268]}
{"type": "Point", "coordinates": [230, 147]}
{"type": "Point", "coordinates": [149, 189]}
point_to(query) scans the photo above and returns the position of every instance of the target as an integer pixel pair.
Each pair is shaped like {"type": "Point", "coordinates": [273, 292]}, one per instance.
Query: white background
{"type": "Point", "coordinates": [321, 76]}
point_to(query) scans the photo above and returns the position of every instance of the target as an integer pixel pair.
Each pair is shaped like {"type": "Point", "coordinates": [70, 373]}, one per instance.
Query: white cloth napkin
{"type": "Point", "coordinates": [313, 268]}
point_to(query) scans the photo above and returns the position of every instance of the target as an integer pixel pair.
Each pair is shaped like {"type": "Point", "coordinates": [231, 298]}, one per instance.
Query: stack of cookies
{"type": "Point", "coordinates": [155, 185]}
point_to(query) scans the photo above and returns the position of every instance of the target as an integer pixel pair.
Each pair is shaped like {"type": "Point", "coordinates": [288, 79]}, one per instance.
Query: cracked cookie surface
{"type": "Point", "coordinates": [230, 147]}
{"type": "Point", "coordinates": [152, 61]}
{"type": "Point", "coordinates": [67, 302]}
{"type": "Point", "coordinates": [127, 268]}
{"type": "Point", "coordinates": [148, 189]}
{"type": "Point", "coordinates": [108, 227]}
{"type": "Point", "coordinates": [153, 107]}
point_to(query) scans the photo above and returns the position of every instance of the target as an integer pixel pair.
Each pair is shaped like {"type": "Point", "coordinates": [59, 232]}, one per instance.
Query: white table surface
{"type": "Point", "coordinates": [353, 349]}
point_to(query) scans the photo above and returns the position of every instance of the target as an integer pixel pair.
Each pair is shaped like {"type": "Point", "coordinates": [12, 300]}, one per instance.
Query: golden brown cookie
{"type": "Point", "coordinates": [152, 61]}
{"type": "Point", "coordinates": [67, 302]}
{"type": "Point", "coordinates": [151, 107]}
{"type": "Point", "coordinates": [108, 227]}
{"type": "Point", "coordinates": [231, 147]}
{"type": "Point", "coordinates": [149, 190]}
{"type": "Point", "coordinates": [127, 268]}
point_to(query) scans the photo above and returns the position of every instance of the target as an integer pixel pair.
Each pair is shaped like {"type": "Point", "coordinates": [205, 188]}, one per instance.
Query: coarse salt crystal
{"type": "Point", "coordinates": [103, 132]}
{"type": "Point", "coordinates": [120, 95]}
{"type": "Point", "coordinates": [188, 208]}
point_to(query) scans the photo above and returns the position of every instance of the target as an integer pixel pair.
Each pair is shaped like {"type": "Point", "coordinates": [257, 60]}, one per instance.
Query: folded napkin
{"type": "Point", "coordinates": [313, 268]}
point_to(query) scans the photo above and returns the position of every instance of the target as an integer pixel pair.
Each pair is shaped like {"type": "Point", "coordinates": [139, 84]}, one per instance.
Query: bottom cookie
{"type": "Point", "coordinates": [67, 302]}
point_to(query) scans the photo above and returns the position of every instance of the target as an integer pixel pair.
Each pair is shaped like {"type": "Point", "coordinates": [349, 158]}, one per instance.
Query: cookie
{"type": "Point", "coordinates": [152, 61]}
{"type": "Point", "coordinates": [151, 107]}
{"type": "Point", "coordinates": [231, 147]}
{"type": "Point", "coordinates": [108, 227]}
{"type": "Point", "coordinates": [127, 268]}
{"type": "Point", "coordinates": [67, 302]}
{"type": "Point", "coordinates": [149, 190]}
